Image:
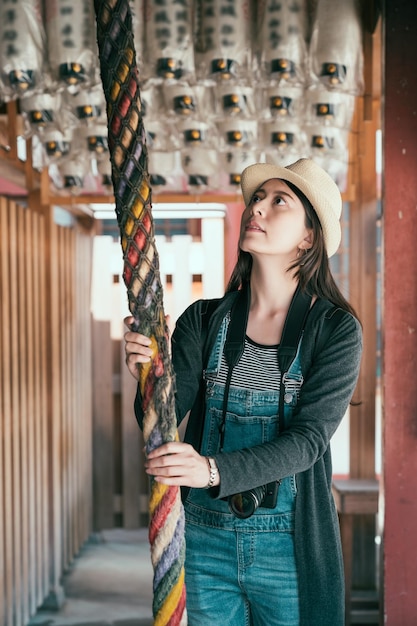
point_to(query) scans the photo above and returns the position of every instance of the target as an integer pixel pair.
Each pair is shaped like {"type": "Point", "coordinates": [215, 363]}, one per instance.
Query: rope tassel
{"type": "Point", "coordinates": [132, 191]}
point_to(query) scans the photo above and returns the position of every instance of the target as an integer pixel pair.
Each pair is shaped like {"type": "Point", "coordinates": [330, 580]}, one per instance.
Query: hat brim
{"type": "Point", "coordinates": [323, 193]}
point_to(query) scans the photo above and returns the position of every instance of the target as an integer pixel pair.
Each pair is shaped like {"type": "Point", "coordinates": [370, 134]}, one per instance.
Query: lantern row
{"type": "Point", "coordinates": [224, 83]}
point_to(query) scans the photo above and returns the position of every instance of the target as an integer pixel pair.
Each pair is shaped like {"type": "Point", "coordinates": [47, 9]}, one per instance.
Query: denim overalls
{"type": "Point", "coordinates": [242, 571]}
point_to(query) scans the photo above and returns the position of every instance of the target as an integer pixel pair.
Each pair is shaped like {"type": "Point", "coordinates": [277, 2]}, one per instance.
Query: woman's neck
{"type": "Point", "coordinates": [271, 295]}
{"type": "Point", "coordinates": [272, 290]}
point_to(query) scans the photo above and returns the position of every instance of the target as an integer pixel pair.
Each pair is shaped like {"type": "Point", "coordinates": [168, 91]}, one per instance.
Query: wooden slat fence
{"type": "Point", "coordinates": [45, 403]}
{"type": "Point", "coordinates": [120, 484]}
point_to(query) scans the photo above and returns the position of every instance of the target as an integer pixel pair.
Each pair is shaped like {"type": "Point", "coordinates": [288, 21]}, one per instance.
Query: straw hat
{"type": "Point", "coordinates": [316, 185]}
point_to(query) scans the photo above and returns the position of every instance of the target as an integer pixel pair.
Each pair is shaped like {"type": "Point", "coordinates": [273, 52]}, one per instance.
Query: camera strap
{"type": "Point", "coordinates": [287, 349]}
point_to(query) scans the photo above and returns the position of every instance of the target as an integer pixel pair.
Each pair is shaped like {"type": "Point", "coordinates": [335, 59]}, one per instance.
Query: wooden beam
{"type": "Point", "coordinates": [370, 14]}
{"type": "Point", "coordinates": [72, 201]}
{"type": "Point", "coordinates": [29, 171]}
{"type": "Point", "coordinates": [12, 128]}
{"type": "Point", "coordinates": [12, 169]}
{"type": "Point", "coordinates": [13, 172]}
{"type": "Point", "coordinates": [372, 68]}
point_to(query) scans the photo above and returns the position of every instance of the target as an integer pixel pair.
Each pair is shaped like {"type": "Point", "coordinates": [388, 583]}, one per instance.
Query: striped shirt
{"type": "Point", "coordinates": [257, 369]}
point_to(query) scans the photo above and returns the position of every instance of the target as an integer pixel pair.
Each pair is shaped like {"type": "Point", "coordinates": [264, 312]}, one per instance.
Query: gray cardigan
{"type": "Point", "coordinates": [302, 449]}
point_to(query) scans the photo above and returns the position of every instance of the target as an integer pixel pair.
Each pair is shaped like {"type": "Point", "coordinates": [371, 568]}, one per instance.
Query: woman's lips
{"type": "Point", "coordinates": [254, 226]}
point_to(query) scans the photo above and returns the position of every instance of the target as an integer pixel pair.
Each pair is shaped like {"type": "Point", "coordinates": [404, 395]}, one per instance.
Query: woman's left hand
{"type": "Point", "coordinates": [177, 463]}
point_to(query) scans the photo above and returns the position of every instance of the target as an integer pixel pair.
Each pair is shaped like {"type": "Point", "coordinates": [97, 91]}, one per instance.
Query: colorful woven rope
{"type": "Point", "coordinates": [129, 159]}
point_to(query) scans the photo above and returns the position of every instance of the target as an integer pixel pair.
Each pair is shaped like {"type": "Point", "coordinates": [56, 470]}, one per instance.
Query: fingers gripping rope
{"type": "Point", "coordinates": [129, 160]}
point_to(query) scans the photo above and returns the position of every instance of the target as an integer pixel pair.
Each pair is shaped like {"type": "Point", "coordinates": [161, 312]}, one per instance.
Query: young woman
{"type": "Point", "coordinates": [262, 534]}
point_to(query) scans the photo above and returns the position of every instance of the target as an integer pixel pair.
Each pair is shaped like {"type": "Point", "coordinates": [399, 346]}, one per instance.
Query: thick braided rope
{"type": "Point", "coordinates": [129, 159]}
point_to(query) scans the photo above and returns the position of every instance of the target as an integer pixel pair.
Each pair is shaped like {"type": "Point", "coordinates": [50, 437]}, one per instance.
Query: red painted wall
{"type": "Point", "coordinates": [400, 313]}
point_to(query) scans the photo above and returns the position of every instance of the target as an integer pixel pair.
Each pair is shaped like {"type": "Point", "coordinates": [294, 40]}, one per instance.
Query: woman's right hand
{"type": "Point", "coordinates": [136, 348]}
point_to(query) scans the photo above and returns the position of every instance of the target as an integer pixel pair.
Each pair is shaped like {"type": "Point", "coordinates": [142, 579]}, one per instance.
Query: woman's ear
{"type": "Point", "coordinates": [307, 242]}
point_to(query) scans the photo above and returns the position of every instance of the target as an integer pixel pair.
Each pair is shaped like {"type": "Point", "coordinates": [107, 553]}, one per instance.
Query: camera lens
{"type": "Point", "coordinates": [244, 504]}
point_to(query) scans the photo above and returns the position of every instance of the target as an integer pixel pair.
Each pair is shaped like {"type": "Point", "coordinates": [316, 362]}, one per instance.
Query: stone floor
{"type": "Point", "coordinates": [109, 584]}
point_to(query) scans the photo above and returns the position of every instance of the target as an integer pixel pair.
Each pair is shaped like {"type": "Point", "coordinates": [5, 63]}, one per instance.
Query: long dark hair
{"type": "Point", "coordinates": [312, 269]}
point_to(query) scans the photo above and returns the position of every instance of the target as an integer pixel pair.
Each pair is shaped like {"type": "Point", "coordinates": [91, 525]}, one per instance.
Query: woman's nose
{"type": "Point", "coordinates": [257, 208]}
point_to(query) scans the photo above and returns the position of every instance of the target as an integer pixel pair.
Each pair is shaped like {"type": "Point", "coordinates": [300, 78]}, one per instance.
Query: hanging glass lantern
{"type": "Point", "coordinates": [281, 40]}
{"type": "Point", "coordinates": [329, 107]}
{"type": "Point", "coordinates": [336, 54]}
{"type": "Point", "coordinates": [236, 100]}
{"type": "Point", "coordinates": [224, 40]}
{"type": "Point", "coordinates": [169, 39]}
{"type": "Point", "coordinates": [72, 51]}
{"type": "Point", "coordinates": [96, 138]}
{"type": "Point", "coordinates": [164, 161]}
{"type": "Point", "coordinates": [56, 144]}
{"type": "Point", "coordinates": [238, 133]}
{"type": "Point", "coordinates": [40, 111]}
{"type": "Point", "coordinates": [233, 162]}
{"type": "Point", "coordinates": [201, 167]}
{"type": "Point", "coordinates": [21, 47]}
{"type": "Point", "coordinates": [180, 98]}
{"type": "Point", "coordinates": [73, 172]}
{"type": "Point", "coordinates": [195, 132]}
{"type": "Point", "coordinates": [138, 22]}
{"type": "Point", "coordinates": [104, 169]}
{"type": "Point", "coordinates": [283, 136]}
{"type": "Point", "coordinates": [282, 100]}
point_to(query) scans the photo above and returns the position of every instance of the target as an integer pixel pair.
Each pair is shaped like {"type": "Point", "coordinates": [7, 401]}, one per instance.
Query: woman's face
{"type": "Point", "coordinates": [274, 222]}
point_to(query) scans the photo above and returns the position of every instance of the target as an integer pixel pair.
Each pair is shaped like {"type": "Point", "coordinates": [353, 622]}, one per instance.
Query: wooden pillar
{"type": "Point", "coordinates": [103, 410]}
{"type": "Point", "coordinates": [56, 596]}
{"type": "Point", "coordinates": [363, 228]}
{"type": "Point", "coordinates": [400, 313]}
{"type": "Point", "coordinates": [363, 216]}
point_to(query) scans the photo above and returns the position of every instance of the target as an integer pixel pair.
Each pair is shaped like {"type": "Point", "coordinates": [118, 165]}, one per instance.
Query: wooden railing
{"type": "Point", "coordinates": [46, 405]}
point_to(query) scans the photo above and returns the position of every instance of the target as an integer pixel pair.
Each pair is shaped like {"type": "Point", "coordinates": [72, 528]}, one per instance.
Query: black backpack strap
{"type": "Point", "coordinates": [236, 332]}
{"type": "Point", "coordinates": [333, 317]}
{"type": "Point", "coordinates": [293, 327]}
{"type": "Point", "coordinates": [291, 334]}
{"type": "Point", "coordinates": [235, 338]}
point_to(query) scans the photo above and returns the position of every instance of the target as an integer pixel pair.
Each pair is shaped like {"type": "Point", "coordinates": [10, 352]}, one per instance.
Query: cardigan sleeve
{"type": "Point", "coordinates": [187, 354]}
{"type": "Point", "coordinates": [330, 378]}
{"type": "Point", "coordinates": [187, 358]}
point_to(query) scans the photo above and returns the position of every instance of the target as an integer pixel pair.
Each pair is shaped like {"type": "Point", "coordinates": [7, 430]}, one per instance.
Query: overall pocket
{"type": "Point", "coordinates": [239, 432]}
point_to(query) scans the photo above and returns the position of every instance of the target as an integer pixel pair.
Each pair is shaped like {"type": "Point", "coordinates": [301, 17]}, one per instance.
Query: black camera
{"type": "Point", "coordinates": [244, 504]}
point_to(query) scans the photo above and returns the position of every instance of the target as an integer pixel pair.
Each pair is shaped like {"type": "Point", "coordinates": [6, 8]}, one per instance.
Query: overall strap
{"type": "Point", "coordinates": [287, 350]}
{"type": "Point", "coordinates": [234, 345]}
{"type": "Point", "coordinates": [208, 308]}
{"type": "Point", "coordinates": [235, 341]}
